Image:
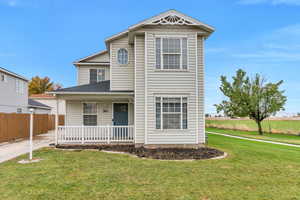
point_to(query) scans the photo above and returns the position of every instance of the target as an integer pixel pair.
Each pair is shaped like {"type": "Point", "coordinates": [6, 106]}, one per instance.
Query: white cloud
{"type": "Point", "coordinates": [272, 2]}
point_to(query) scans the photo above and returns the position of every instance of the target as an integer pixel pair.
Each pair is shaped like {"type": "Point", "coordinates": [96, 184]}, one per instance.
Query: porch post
{"type": "Point", "coordinates": [56, 121]}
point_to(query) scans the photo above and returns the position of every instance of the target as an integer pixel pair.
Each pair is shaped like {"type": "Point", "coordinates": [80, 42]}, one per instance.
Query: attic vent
{"type": "Point", "coordinates": [172, 19]}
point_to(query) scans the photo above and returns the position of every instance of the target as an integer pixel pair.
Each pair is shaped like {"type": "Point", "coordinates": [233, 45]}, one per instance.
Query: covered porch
{"type": "Point", "coordinates": [96, 118]}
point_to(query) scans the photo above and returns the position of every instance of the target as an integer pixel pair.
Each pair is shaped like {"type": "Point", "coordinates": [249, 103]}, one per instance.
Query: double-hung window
{"type": "Point", "coordinates": [97, 75]}
{"type": "Point", "coordinates": [171, 53]}
{"type": "Point", "coordinates": [89, 114]}
{"type": "Point", "coordinates": [3, 78]}
{"type": "Point", "coordinates": [171, 113]}
{"type": "Point", "coordinates": [19, 86]}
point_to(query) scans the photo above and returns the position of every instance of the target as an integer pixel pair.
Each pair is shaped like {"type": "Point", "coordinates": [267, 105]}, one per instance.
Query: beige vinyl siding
{"type": "Point", "coordinates": [10, 100]}
{"type": "Point", "coordinates": [122, 75]}
{"type": "Point", "coordinates": [130, 114]}
{"type": "Point", "coordinates": [74, 115]}
{"type": "Point", "coordinates": [201, 95]}
{"type": "Point", "coordinates": [171, 83]}
{"type": "Point", "coordinates": [140, 89]}
{"type": "Point", "coordinates": [84, 73]}
{"type": "Point", "coordinates": [99, 58]}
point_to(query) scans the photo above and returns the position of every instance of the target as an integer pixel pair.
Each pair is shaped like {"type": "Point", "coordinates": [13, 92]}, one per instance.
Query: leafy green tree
{"type": "Point", "coordinates": [253, 98]}
{"type": "Point", "coordinates": [39, 85]}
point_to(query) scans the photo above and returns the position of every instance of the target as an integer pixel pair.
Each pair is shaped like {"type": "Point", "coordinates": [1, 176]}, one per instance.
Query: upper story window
{"type": "Point", "coordinates": [20, 86]}
{"type": "Point", "coordinates": [97, 75]}
{"type": "Point", "coordinates": [3, 78]}
{"type": "Point", "coordinates": [122, 56]}
{"type": "Point", "coordinates": [171, 53]}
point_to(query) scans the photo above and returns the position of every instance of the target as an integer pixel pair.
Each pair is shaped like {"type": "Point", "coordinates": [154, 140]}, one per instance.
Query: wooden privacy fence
{"type": "Point", "coordinates": [14, 126]}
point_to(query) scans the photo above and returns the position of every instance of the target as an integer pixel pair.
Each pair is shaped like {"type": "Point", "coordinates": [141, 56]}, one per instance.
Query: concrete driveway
{"type": "Point", "coordinates": [11, 150]}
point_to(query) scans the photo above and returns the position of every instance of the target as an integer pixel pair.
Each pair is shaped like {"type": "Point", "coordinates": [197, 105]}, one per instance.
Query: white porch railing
{"type": "Point", "coordinates": [95, 134]}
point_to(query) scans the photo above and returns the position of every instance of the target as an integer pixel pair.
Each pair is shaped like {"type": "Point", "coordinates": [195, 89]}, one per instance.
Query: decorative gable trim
{"type": "Point", "coordinates": [172, 19]}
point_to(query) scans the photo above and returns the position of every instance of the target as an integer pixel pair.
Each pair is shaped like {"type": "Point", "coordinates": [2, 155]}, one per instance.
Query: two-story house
{"type": "Point", "coordinates": [13, 92]}
{"type": "Point", "coordinates": [14, 95]}
{"type": "Point", "coordinates": [147, 87]}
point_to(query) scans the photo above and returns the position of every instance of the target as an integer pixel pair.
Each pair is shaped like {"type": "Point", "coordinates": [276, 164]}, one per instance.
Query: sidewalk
{"type": "Point", "coordinates": [13, 149]}
{"type": "Point", "coordinates": [256, 140]}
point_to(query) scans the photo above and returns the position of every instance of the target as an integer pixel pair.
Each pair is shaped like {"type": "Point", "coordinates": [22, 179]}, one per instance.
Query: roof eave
{"type": "Point", "coordinates": [93, 93]}
{"type": "Point", "coordinates": [91, 56]}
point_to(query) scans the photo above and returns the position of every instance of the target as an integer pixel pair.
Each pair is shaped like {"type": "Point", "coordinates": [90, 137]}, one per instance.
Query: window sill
{"type": "Point", "coordinates": [173, 131]}
{"type": "Point", "coordinates": [171, 70]}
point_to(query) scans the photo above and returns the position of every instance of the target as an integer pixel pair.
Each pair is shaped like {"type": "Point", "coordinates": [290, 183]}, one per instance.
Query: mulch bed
{"type": "Point", "coordinates": [159, 153]}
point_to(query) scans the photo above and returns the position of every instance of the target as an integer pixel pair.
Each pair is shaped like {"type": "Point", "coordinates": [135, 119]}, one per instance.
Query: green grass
{"type": "Point", "coordinates": [253, 170]}
{"type": "Point", "coordinates": [275, 126]}
{"type": "Point", "coordinates": [290, 139]}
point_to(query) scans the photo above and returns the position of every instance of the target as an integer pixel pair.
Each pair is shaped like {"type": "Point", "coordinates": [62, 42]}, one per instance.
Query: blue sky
{"type": "Point", "coordinates": [44, 37]}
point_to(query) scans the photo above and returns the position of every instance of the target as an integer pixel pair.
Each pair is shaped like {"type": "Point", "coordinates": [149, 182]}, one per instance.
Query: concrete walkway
{"type": "Point", "coordinates": [252, 139]}
{"type": "Point", "coordinates": [11, 150]}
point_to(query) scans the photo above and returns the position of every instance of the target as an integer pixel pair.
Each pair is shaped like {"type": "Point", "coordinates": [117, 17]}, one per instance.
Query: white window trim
{"type": "Point", "coordinates": [83, 114]}
{"type": "Point", "coordinates": [97, 74]}
{"type": "Point", "coordinates": [181, 114]}
{"type": "Point", "coordinates": [120, 64]}
{"type": "Point", "coordinates": [4, 77]}
{"type": "Point", "coordinates": [161, 52]}
{"type": "Point", "coordinates": [20, 86]}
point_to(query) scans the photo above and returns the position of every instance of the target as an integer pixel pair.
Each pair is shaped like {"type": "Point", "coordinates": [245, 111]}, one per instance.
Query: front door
{"type": "Point", "coordinates": [120, 114]}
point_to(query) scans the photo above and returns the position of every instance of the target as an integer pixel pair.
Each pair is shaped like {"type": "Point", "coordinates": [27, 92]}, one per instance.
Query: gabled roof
{"type": "Point", "coordinates": [5, 71]}
{"type": "Point", "coordinates": [90, 56]}
{"type": "Point", "coordinates": [35, 104]}
{"type": "Point", "coordinates": [170, 17]}
{"type": "Point", "coordinates": [42, 96]}
{"type": "Point", "coordinates": [94, 88]}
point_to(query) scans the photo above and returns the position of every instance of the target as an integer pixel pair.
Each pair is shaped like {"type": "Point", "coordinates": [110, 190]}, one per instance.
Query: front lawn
{"type": "Point", "coordinates": [270, 126]}
{"type": "Point", "coordinates": [276, 137]}
{"type": "Point", "coordinates": [252, 171]}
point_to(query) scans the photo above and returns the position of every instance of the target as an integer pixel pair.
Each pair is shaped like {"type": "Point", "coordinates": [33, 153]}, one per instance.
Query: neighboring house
{"type": "Point", "coordinates": [50, 101]}
{"type": "Point", "coordinates": [147, 87]}
{"type": "Point", "coordinates": [13, 92]}
{"type": "Point", "coordinates": [38, 107]}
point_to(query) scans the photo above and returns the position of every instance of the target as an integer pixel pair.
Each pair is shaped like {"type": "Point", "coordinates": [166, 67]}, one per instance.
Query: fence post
{"type": "Point", "coordinates": [82, 135]}
{"type": "Point", "coordinates": [31, 133]}
{"type": "Point", "coordinates": [108, 134]}
{"type": "Point", "coordinates": [56, 122]}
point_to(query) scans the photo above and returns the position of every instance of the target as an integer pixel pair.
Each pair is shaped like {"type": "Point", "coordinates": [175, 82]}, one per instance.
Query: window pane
{"type": "Point", "coordinates": [89, 108]}
{"type": "Point", "coordinates": [158, 53]}
{"type": "Point", "coordinates": [101, 74]}
{"type": "Point", "coordinates": [158, 115]}
{"type": "Point", "coordinates": [184, 116]}
{"type": "Point", "coordinates": [171, 45]}
{"type": "Point", "coordinates": [184, 53]}
{"type": "Point", "coordinates": [90, 120]}
{"type": "Point", "coordinates": [93, 75]}
{"type": "Point", "coordinates": [171, 61]}
{"type": "Point", "coordinates": [171, 121]}
{"type": "Point", "coordinates": [122, 56]}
